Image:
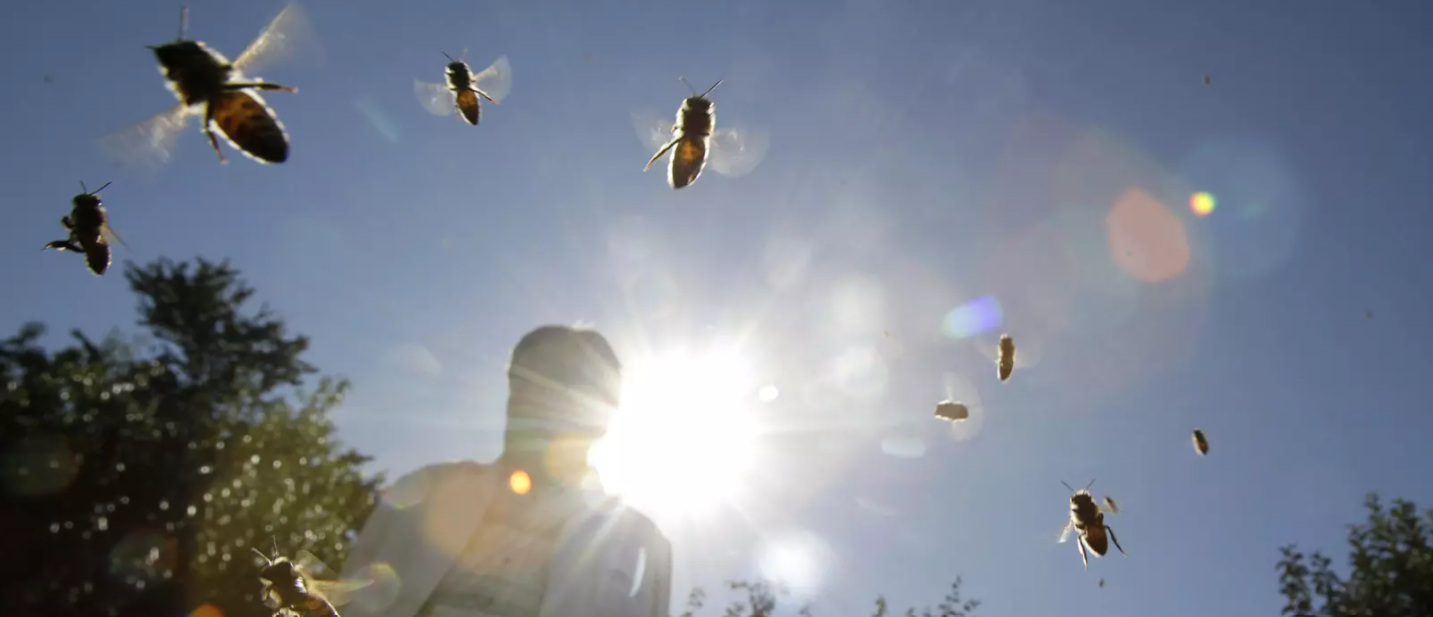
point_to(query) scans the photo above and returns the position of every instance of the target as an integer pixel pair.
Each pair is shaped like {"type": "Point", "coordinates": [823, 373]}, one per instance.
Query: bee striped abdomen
{"type": "Point", "coordinates": [97, 256]}
{"type": "Point", "coordinates": [689, 157]}
{"type": "Point", "coordinates": [1096, 539]}
{"type": "Point", "coordinates": [468, 109]}
{"type": "Point", "coordinates": [250, 125]}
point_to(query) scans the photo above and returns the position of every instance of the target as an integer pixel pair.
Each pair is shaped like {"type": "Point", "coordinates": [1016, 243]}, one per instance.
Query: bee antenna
{"type": "Point", "coordinates": [1067, 485]}
{"type": "Point", "coordinates": [101, 188]}
{"type": "Point", "coordinates": [450, 58]}
{"type": "Point", "coordinates": [709, 90]}
{"type": "Point", "coordinates": [683, 79]}
{"type": "Point", "coordinates": [183, 21]}
{"type": "Point", "coordinates": [1092, 483]}
{"type": "Point", "coordinates": [262, 555]}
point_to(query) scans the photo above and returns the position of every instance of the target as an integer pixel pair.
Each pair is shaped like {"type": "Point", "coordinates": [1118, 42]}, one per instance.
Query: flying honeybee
{"type": "Point", "coordinates": [1089, 519]}
{"type": "Point", "coordinates": [1005, 361]}
{"type": "Point", "coordinates": [464, 88]}
{"type": "Point", "coordinates": [694, 139]}
{"type": "Point", "coordinates": [89, 229]}
{"type": "Point", "coordinates": [207, 84]}
{"type": "Point", "coordinates": [1201, 445]}
{"type": "Point", "coordinates": [290, 589]}
{"type": "Point", "coordinates": [951, 411]}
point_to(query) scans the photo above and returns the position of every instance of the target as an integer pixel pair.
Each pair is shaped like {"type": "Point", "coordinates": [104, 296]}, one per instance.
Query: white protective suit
{"type": "Point", "coordinates": [426, 518]}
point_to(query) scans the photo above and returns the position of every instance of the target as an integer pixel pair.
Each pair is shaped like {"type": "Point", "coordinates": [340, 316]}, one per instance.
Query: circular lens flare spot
{"type": "Point", "coordinates": [520, 482]}
{"type": "Point", "coordinates": [1202, 204]}
{"type": "Point", "coordinates": [207, 610]}
{"type": "Point", "coordinates": [978, 315]}
{"type": "Point", "coordinates": [1146, 240]}
{"type": "Point", "coordinates": [768, 394]}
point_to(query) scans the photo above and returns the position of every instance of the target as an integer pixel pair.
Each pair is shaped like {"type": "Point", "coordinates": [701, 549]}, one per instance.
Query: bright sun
{"type": "Point", "coordinates": [683, 438]}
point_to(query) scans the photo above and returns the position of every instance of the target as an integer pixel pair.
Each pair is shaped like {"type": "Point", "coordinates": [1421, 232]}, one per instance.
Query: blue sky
{"type": "Point", "coordinates": [923, 154]}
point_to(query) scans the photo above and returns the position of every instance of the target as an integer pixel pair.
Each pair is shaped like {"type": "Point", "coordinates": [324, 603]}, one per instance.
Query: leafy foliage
{"type": "Point", "coordinates": [761, 601]}
{"type": "Point", "coordinates": [138, 481]}
{"type": "Point", "coordinates": [1390, 563]}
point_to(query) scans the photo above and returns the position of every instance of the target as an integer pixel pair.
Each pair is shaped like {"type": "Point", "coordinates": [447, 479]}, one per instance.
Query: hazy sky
{"type": "Point", "coordinates": [923, 154]}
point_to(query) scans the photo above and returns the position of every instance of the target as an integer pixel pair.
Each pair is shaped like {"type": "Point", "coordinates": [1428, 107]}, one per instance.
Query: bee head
{"type": "Point", "coordinates": [1082, 499]}
{"type": "Point", "coordinates": [699, 104]}
{"type": "Point", "coordinates": [178, 52]}
{"type": "Point", "coordinates": [88, 198]}
{"type": "Point", "coordinates": [280, 569]}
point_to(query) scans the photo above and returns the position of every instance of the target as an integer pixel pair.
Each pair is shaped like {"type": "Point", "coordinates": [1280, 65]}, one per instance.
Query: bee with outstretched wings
{"type": "Point", "coordinates": [464, 88]}
{"type": "Point", "coordinates": [89, 230]}
{"type": "Point", "coordinates": [291, 589]}
{"type": "Point", "coordinates": [207, 84]}
{"type": "Point", "coordinates": [695, 142]}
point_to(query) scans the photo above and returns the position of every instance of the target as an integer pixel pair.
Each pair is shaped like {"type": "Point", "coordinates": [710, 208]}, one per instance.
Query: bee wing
{"type": "Point", "coordinates": [737, 151]}
{"type": "Point", "coordinates": [337, 592]}
{"type": "Point", "coordinates": [310, 565]}
{"type": "Point", "coordinates": [436, 98]}
{"type": "Point", "coordinates": [496, 80]}
{"type": "Point", "coordinates": [148, 143]}
{"type": "Point", "coordinates": [110, 236]}
{"type": "Point", "coordinates": [288, 35]}
{"type": "Point", "coordinates": [654, 130]}
{"type": "Point", "coordinates": [1065, 533]}
{"type": "Point", "coordinates": [1110, 505]}
{"type": "Point", "coordinates": [1029, 348]}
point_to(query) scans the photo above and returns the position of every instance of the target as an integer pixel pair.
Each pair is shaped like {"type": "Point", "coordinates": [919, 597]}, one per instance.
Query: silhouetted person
{"type": "Point", "coordinates": [531, 534]}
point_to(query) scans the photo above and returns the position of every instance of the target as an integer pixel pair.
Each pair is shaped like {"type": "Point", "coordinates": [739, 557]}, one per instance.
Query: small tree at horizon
{"type": "Point", "coordinates": [1390, 569]}
{"type": "Point", "coordinates": [136, 479]}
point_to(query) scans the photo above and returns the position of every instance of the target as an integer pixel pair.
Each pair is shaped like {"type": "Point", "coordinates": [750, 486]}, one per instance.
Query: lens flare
{"type": "Point", "coordinates": [978, 315]}
{"type": "Point", "coordinates": [520, 482]}
{"type": "Point", "coordinates": [1202, 204]}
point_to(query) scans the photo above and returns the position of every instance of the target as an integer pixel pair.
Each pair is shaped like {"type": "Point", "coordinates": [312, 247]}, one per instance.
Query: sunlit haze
{"type": "Point", "coordinates": [1249, 256]}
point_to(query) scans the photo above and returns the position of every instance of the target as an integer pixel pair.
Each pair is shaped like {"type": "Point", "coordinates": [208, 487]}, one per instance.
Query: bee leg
{"type": "Point", "coordinates": [1085, 557]}
{"type": "Point", "coordinates": [485, 95]}
{"type": "Point", "coordinates": [209, 132]}
{"type": "Point", "coordinates": [1116, 540]}
{"type": "Point", "coordinates": [258, 85]}
{"type": "Point", "coordinates": [59, 245]}
{"type": "Point", "coordinates": [65, 220]}
{"type": "Point", "coordinates": [660, 153]}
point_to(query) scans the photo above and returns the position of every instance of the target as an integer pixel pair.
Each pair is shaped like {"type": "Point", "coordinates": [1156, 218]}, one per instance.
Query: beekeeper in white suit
{"type": "Point", "coordinates": [531, 534]}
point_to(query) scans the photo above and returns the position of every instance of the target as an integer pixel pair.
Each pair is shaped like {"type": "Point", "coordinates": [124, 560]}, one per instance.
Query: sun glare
{"type": "Point", "coordinates": [683, 437]}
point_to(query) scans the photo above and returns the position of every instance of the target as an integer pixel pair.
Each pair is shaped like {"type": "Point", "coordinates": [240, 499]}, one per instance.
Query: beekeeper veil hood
{"type": "Point", "coordinates": [563, 381]}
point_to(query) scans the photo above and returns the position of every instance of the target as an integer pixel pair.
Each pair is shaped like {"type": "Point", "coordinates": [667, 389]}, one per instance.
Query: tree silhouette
{"type": "Point", "coordinates": [1390, 569]}
{"type": "Point", "coordinates": [136, 478]}
{"type": "Point", "coordinates": [760, 600]}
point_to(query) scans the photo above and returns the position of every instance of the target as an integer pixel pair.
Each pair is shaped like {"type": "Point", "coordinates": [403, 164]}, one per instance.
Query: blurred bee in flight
{"type": "Point", "coordinates": [207, 84]}
{"type": "Point", "coordinates": [951, 411]}
{"type": "Point", "coordinates": [1088, 518]}
{"type": "Point", "coordinates": [290, 589]}
{"type": "Point", "coordinates": [89, 230]}
{"type": "Point", "coordinates": [1005, 361]}
{"type": "Point", "coordinates": [1201, 445]}
{"type": "Point", "coordinates": [464, 88]}
{"type": "Point", "coordinates": [694, 139]}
